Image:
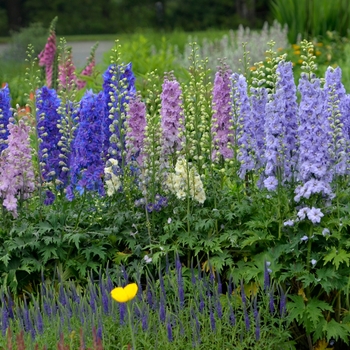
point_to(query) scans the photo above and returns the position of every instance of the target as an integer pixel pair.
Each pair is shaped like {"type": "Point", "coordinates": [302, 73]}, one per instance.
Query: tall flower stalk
{"type": "Point", "coordinates": [47, 56]}
{"type": "Point", "coordinates": [17, 180]}
{"type": "Point", "coordinates": [5, 114]}
{"type": "Point", "coordinates": [118, 88]}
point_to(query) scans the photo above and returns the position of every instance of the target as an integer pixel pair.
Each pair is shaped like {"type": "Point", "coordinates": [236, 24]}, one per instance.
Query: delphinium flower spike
{"type": "Point", "coordinates": [87, 165]}
{"type": "Point", "coordinates": [314, 172]}
{"type": "Point", "coordinates": [221, 129]}
{"type": "Point", "coordinates": [66, 68]}
{"type": "Point", "coordinates": [47, 104]}
{"type": "Point", "coordinates": [88, 69]}
{"type": "Point", "coordinates": [337, 114]}
{"type": "Point", "coordinates": [135, 130]}
{"type": "Point", "coordinates": [172, 119]}
{"type": "Point", "coordinates": [17, 179]}
{"type": "Point", "coordinates": [118, 88]}
{"type": "Point", "coordinates": [47, 57]}
{"type": "Point", "coordinates": [5, 114]}
{"type": "Point", "coordinates": [281, 128]}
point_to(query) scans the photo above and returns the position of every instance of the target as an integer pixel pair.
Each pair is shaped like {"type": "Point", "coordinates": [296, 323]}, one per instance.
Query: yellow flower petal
{"type": "Point", "coordinates": [131, 290]}
{"type": "Point", "coordinates": [122, 295]}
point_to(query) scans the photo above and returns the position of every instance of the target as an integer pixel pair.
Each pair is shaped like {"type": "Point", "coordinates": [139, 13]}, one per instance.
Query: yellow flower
{"type": "Point", "coordinates": [295, 47]}
{"type": "Point", "coordinates": [297, 52]}
{"type": "Point", "coordinates": [318, 53]}
{"type": "Point", "coordinates": [123, 295]}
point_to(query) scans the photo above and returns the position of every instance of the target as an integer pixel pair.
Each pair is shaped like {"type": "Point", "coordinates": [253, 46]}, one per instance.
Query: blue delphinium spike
{"type": "Point", "coordinates": [169, 331]}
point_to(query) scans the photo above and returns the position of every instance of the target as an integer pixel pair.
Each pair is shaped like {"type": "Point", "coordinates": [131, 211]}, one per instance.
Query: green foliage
{"type": "Point", "coordinates": [312, 18]}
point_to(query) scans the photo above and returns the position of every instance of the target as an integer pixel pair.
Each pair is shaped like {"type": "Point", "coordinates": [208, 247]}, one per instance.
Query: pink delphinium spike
{"type": "Point", "coordinates": [66, 71]}
{"type": "Point", "coordinates": [136, 130]}
{"type": "Point", "coordinates": [16, 170]}
{"type": "Point", "coordinates": [47, 56]}
{"type": "Point", "coordinates": [89, 68]}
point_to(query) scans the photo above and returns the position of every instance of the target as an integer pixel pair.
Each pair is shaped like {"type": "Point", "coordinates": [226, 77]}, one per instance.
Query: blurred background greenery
{"type": "Point", "coordinates": [126, 16]}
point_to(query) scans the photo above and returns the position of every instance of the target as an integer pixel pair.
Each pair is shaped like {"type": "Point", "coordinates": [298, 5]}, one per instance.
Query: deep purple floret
{"type": "Point", "coordinates": [47, 104]}
{"type": "Point", "coordinates": [5, 114]}
{"type": "Point", "coordinates": [87, 166]}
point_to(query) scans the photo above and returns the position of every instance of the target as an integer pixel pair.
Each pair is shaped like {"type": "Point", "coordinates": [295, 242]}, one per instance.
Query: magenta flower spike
{"type": "Point", "coordinates": [48, 54]}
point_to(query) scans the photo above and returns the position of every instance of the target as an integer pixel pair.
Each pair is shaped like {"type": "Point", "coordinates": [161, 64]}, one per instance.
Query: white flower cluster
{"type": "Point", "coordinates": [111, 179]}
{"type": "Point", "coordinates": [185, 180]}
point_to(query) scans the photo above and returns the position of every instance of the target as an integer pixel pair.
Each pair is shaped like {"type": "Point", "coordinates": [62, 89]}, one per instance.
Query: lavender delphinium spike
{"type": "Point", "coordinates": [258, 101]}
{"type": "Point", "coordinates": [172, 118]}
{"type": "Point", "coordinates": [245, 312]}
{"type": "Point", "coordinates": [337, 115]}
{"type": "Point", "coordinates": [5, 115]}
{"type": "Point", "coordinates": [87, 165]}
{"type": "Point", "coordinates": [283, 302]}
{"type": "Point", "coordinates": [17, 179]}
{"type": "Point", "coordinates": [4, 318]}
{"type": "Point", "coordinates": [314, 167]}
{"type": "Point", "coordinates": [232, 317]}
{"type": "Point", "coordinates": [223, 140]}
{"type": "Point", "coordinates": [135, 130]}
{"type": "Point", "coordinates": [281, 129]}
{"type": "Point", "coordinates": [246, 142]}
{"type": "Point", "coordinates": [118, 88]}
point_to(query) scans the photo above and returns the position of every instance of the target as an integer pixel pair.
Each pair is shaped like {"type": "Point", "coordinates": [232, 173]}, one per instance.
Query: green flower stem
{"type": "Point", "coordinates": [130, 326]}
{"type": "Point", "coordinates": [308, 260]}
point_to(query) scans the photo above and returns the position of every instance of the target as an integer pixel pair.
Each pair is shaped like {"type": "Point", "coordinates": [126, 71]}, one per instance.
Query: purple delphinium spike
{"type": "Point", "coordinates": [172, 118]}
{"type": "Point", "coordinates": [47, 103]}
{"type": "Point", "coordinates": [135, 130]}
{"type": "Point", "coordinates": [337, 115]}
{"type": "Point", "coordinates": [87, 165]}
{"type": "Point", "coordinates": [17, 179]}
{"type": "Point", "coordinates": [201, 302]}
{"type": "Point", "coordinates": [223, 140]}
{"type": "Point", "coordinates": [314, 167]}
{"type": "Point", "coordinates": [5, 115]}
{"type": "Point", "coordinates": [118, 88]}
{"type": "Point", "coordinates": [281, 128]}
